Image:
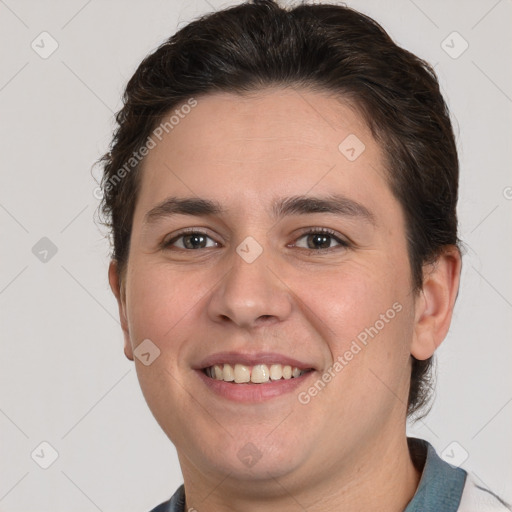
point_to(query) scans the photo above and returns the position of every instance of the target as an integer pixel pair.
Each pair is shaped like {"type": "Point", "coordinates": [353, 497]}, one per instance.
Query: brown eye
{"type": "Point", "coordinates": [191, 241]}
{"type": "Point", "coordinates": [321, 240]}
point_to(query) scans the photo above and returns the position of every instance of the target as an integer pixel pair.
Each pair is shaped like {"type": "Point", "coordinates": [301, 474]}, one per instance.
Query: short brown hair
{"type": "Point", "coordinates": [323, 47]}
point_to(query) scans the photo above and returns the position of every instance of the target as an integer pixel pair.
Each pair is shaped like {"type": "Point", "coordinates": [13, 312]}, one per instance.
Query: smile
{"type": "Point", "coordinates": [256, 374]}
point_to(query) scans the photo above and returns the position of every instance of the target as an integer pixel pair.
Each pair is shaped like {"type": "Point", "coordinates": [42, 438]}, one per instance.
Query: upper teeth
{"type": "Point", "coordinates": [257, 374]}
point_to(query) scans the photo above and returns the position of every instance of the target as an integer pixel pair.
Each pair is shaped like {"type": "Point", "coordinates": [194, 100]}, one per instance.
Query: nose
{"type": "Point", "coordinates": [251, 294]}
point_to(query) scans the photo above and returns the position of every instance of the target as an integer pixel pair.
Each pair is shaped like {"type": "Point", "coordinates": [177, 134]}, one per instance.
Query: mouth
{"type": "Point", "coordinates": [254, 374]}
{"type": "Point", "coordinates": [249, 378]}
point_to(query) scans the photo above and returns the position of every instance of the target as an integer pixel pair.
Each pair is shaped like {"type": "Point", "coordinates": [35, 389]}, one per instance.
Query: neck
{"type": "Point", "coordinates": [382, 478]}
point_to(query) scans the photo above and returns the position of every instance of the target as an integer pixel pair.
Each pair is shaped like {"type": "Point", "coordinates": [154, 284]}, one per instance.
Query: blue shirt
{"type": "Point", "coordinates": [440, 488]}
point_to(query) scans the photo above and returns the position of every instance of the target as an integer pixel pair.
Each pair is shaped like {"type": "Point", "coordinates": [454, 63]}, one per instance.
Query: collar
{"type": "Point", "coordinates": [441, 484]}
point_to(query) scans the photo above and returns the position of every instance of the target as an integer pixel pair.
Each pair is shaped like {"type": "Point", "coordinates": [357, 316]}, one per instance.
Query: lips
{"type": "Point", "coordinates": [250, 392]}
{"type": "Point", "coordinates": [252, 359]}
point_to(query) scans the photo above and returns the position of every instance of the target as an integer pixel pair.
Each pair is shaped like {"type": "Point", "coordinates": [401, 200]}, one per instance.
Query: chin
{"type": "Point", "coordinates": [253, 455]}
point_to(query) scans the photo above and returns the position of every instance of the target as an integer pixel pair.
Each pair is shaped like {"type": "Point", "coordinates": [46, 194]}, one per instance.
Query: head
{"type": "Point", "coordinates": [273, 123]}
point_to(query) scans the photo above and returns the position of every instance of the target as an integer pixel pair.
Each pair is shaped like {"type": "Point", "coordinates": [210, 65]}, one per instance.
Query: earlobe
{"type": "Point", "coordinates": [119, 292]}
{"type": "Point", "coordinates": [435, 303]}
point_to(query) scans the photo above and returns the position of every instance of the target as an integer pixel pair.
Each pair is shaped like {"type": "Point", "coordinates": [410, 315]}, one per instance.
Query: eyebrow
{"type": "Point", "coordinates": [295, 205]}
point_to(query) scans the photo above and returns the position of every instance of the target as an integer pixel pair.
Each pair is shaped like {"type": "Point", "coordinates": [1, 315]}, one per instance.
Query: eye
{"type": "Point", "coordinates": [321, 239]}
{"type": "Point", "coordinates": [190, 240]}
{"type": "Point", "coordinates": [316, 240]}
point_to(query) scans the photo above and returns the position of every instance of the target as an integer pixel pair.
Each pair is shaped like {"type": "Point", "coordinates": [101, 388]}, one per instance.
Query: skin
{"type": "Point", "coordinates": [346, 449]}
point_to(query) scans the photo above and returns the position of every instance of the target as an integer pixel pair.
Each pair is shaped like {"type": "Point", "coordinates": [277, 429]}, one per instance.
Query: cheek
{"type": "Point", "coordinates": [351, 298]}
{"type": "Point", "coordinates": [160, 303]}
{"type": "Point", "coordinates": [364, 314]}
{"type": "Point", "coordinates": [162, 306]}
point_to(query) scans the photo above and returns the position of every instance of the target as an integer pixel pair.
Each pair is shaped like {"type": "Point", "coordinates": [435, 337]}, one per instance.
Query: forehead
{"type": "Point", "coordinates": [239, 129]}
{"type": "Point", "coordinates": [263, 145]}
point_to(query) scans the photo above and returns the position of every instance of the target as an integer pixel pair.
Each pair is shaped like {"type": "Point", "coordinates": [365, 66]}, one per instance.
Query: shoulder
{"type": "Point", "coordinates": [163, 507]}
{"type": "Point", "coordinates": [477, 498]}
{"type": "Point", "coordinates": [175, 504]}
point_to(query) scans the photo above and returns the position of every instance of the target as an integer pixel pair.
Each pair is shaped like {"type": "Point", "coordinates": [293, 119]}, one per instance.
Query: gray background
{"type": "Point", "coordinates": [63, 376]}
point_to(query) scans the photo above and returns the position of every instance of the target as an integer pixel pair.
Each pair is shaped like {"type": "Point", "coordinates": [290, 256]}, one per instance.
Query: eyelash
{"type": "Point", "coordinates": [318, 231]}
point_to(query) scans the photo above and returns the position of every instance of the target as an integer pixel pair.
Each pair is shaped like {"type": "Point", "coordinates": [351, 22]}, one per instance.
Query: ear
{"type": "Point", "coordinates": [435, 302]}
{"type": "Point", "coordinates": [118, 290]}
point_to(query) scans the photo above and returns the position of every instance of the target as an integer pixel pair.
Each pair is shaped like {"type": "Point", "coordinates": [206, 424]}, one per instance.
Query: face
{"type": "Point", "coordinates": [303, 263]}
